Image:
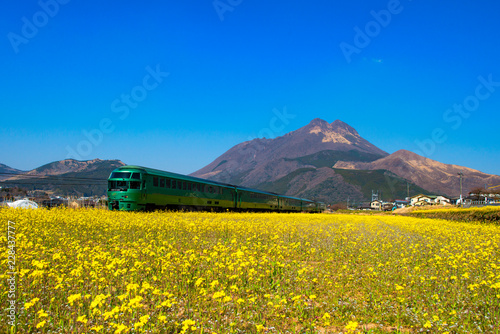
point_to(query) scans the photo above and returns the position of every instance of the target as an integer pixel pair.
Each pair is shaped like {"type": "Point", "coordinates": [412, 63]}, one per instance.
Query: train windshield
{"type": "Point", "coordinates": [120, 175]}
{"type": "Point", "coordinates": [117, 185]}
{"type": "Point", "coordinates": [123, 185]}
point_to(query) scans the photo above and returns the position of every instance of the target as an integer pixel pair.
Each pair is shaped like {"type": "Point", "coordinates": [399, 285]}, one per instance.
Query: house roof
{"type": "Point", "coordinates": [422, 195]}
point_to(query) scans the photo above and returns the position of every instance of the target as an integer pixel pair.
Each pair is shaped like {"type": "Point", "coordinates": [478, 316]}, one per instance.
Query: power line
{"type": "Point", "coordinates": [57, 177]}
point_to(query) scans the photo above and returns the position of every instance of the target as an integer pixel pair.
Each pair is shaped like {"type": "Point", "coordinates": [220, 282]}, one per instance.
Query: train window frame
{"type": "Point", "coordinates": [167, 183]}
{"type": "Point", "coordinates": [162, 182]}
{"type": "Point", "coordinates": [174, 184]}
{"type": "Point", "coordinates": [155, 181]}
{"type": "Point", "coordinates": [189, 186]}
{"type": "Point", "coordinates": [184, 185]}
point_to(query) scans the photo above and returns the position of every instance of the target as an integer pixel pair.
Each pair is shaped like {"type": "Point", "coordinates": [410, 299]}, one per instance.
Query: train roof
{"type": "Point", "coordinates": [172, 175]}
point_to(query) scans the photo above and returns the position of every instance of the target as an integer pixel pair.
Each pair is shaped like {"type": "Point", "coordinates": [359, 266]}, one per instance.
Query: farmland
{"type": "Point", "coordinates": [99, 271]}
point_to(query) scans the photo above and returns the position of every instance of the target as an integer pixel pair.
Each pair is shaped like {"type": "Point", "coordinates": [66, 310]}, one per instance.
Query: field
{"type": "Point", "coordinates": [487, 214]}
{"type": "Point", "coordinates": [96, 271]}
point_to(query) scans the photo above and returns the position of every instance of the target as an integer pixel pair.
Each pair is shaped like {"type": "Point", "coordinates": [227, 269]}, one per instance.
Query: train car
{"type": "Point", "coordinates": [133, 188]}
{"type": "Point", "coordinates": [138, 188]}
{"type": "Point", "coordinates": [290, 204]}
{"type": "Point", "coordinates": [256, 200]}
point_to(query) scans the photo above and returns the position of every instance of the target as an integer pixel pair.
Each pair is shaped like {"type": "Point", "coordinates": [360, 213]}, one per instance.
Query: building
{"type": "Point", "coordinates": [422, 199]}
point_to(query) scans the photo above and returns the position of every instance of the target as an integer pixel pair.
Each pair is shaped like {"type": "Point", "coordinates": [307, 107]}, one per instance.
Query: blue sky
{"type": "Point", "coordinates": [174, 84]}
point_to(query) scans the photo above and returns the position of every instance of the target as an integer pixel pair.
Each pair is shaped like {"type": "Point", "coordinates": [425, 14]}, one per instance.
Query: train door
{"type": "Point", "coordinates": [236, 199]}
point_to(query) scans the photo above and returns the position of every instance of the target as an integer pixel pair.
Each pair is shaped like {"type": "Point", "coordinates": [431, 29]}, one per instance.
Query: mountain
{"type": "Point", "coordinates": [432, 175]}
{"type": "Point", "coordinates": [300, 164]}
{"type": "Point", "coordinates": [332, 162]}
{"type": "Point", "coordinates": [68, 177]}
{"type": "Point", "coordinates": [266, 160]}
{"type": "Point", "coordinates": [6, 171]}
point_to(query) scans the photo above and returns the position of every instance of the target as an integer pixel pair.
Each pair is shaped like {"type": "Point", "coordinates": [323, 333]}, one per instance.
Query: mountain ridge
{"type": "Point", "coordinates": [68, 176]}
{"type": "Point", "coordinates": [303, 161]}
{"type": "Point", "coordinates": [262, 160]}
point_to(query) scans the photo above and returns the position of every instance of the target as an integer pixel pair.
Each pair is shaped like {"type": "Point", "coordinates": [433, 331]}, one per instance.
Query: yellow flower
{"type": "Point", "coordinates": [351, 326]}
{"type": "Point", "coordinates": [31, 303]}
{"type": "Point", "coordinates": [41, 324]}
{"type": "Point", "coordinates": [82, 319]}
{"type": "Point", "coordinates": [120, 328]}
{"type": "Point", "coordinates": [42, 313]}
{"type": "Point", "coordinates": [218, 294]}
{"type": "Point", "coordinates": [73, 298]}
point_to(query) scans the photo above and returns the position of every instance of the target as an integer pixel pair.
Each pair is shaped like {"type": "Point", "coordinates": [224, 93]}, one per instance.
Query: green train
{"type": "Point", "coordinates": [132, 188]}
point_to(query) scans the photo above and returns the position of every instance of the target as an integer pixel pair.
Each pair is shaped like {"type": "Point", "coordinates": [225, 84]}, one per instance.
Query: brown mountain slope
{"type": "Point", "coordinates": [427, 173]}
{"type": "Point", "coordinates": [6, 171]}
{"type": "Point", "coordinates": [71, 177]}
{"type": "Point", "coordinates": [70, 166]}
{"type": "Point", "coordinates": [265, 160]}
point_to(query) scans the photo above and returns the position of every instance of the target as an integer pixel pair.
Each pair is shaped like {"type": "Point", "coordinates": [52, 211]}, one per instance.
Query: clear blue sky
{"type": "Point", "coordinates": [174, 84]}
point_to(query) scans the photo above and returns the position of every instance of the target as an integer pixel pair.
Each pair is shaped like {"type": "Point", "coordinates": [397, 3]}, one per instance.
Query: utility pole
{"type": "Point", "coordinates": [461, 174]}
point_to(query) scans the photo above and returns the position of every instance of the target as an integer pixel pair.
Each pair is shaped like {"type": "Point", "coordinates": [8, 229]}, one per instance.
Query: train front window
{"type": "Point", "coordinates": [120, 175]}
{"type": "Point", "coordinates": [117, 185]}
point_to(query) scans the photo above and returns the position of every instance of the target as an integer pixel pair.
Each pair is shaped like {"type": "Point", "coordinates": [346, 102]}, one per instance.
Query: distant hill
{"type": "Point", "coordinates": [332, 162]}
{"type": "Point", "coordinates": [435, 176]}
{"type": "Point", "coordinates": [6, 171]}
{"type": "Point", "coordinates": [68, 177]}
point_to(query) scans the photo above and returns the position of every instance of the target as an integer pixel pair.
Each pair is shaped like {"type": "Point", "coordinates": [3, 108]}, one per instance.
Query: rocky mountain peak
{"type": "Point", "coordinates": [344, 128]}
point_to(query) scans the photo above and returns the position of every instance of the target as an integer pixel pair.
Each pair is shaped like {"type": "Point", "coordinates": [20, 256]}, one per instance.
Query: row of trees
{"type": "Point", "coordinates": [480, 193]}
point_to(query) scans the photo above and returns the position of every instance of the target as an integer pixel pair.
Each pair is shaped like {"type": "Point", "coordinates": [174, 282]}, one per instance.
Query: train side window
{"type": "Point", "coordinates": [155, 181]}
{"type": "Point", "coordinates": [135, 184]}
{"type": "Point", "coordinates": [162, 182]}
{"type": "Point", "coordinates": [189, 186]}
{"type": "Point", "coordinates": [179, 185]}
{"type": "Point", "coordinates": [136, 176]}
{"type": "Point", "coordinates": [167, 183]}
{"type": "Point", "coordinates": [183, 185]}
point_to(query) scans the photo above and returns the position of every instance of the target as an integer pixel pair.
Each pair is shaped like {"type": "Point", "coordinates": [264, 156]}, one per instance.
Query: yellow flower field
{"type": "Point", "coordinates": [98, 271]}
